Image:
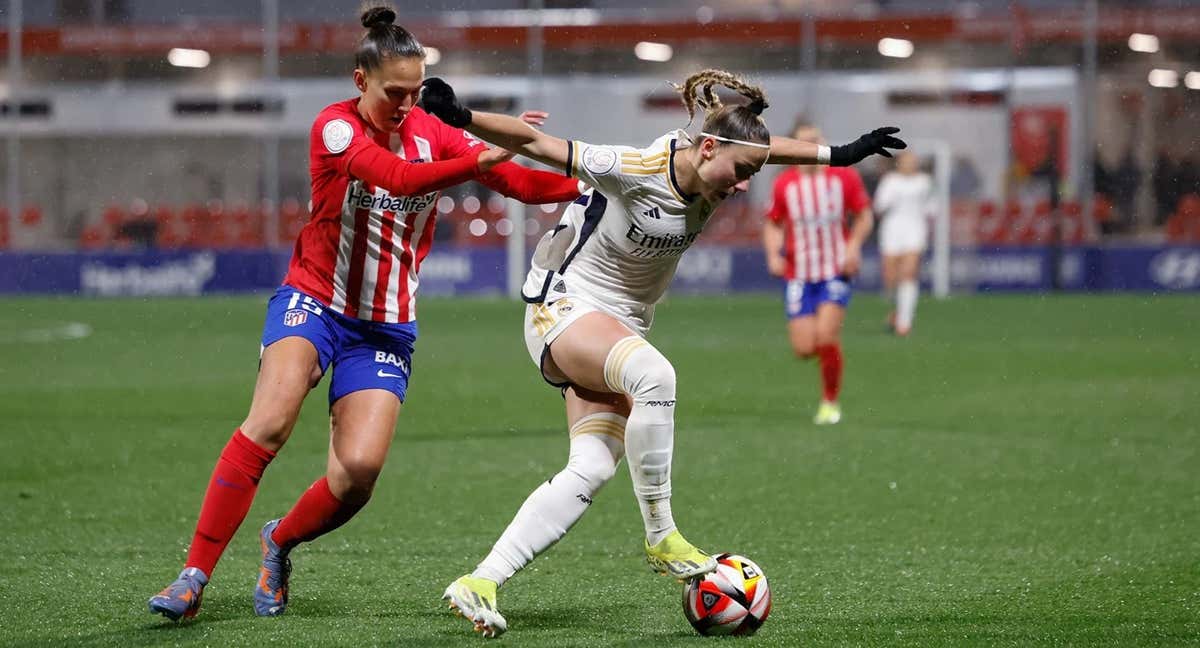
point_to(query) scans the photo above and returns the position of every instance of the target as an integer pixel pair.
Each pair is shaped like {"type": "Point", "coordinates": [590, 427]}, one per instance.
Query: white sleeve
{"type": "Point", "coordinates": [601, 166]}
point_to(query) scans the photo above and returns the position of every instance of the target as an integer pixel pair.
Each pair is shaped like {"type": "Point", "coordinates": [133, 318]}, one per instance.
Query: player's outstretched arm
{"type": "Point", "coordinates": [382, 168]}
{"type": "Point", "coordinates": [785, 150]}
{"type": "Point", "coordinates": [531, 186]}
{"type": "Point", "coordinates": [438, 98]}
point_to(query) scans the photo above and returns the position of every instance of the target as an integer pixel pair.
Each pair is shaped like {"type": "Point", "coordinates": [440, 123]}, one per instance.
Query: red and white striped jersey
{"type": "Point", "coordinates": [812, 207]}
{"type": "Point", "coordinates": [361, 252]}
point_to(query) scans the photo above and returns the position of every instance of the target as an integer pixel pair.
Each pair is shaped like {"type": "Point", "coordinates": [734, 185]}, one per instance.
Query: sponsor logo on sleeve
{"type": "Point", "coordinates": [599, 160]}
{"type": "Point", "coordinates": [337, 135]}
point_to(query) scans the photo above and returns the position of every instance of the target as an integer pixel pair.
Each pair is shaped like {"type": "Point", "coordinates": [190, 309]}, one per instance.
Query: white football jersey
{"type": "Point", "coordinates": [904, 197]}
{"type": "Point", "coordinates": [620, 242]}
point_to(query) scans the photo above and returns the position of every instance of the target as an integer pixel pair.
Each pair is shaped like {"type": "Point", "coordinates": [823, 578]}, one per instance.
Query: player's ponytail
{"type": "Point", "coordinates": [742, 122]}
{"type": "Point", "coordinates": [384, 39]}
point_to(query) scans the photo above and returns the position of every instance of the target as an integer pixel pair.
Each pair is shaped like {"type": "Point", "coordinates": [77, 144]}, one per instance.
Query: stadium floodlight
{"type": "Point", "coordinates": [1147, 43]}
{"type": "Point", "coordinates": [1160, 78]}
{"type": "Point", "coordinates": [188, 58]}
{"type": "Point", "coordinates": [1192, 80]}
{"type": "Point", "coordinates": [647, 51]}
{"type": "Point", "coordinates": [895, 47]}
{"type": "Point", "coordinates": [432, 55]}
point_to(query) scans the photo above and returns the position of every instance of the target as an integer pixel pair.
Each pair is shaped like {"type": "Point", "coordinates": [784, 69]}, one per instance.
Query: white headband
{"type": "Point", "coordinates": [736, 141]}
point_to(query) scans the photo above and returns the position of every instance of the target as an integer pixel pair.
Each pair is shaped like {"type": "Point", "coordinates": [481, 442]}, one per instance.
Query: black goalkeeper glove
{"type": "Point", "coordinates": [437, 99]}
{"type": "Point", "coordinates": [877, 141]}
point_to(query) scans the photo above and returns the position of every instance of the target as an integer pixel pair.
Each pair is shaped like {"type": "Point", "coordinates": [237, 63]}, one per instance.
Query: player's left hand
{"type": "Point", "coordinates": [439, 100]}
{"type": "Point", "coordinates": [853, 261]}
{"type": "Point", "coordinates": [877, 142]}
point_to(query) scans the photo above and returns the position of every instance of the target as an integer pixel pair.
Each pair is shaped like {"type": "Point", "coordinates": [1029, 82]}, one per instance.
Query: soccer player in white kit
{"type": "Point", "coordinates": [903, 202]}
{"type": "Point", "coordinates": [590, 294]}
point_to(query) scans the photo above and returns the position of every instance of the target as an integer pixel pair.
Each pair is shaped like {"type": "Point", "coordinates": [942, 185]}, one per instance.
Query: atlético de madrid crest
{"type": "Point", "coordinates": [295, 317]}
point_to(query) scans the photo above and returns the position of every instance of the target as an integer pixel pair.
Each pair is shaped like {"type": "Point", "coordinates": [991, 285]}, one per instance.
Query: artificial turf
{"type": "Point", "coordinates": [1021, 471]}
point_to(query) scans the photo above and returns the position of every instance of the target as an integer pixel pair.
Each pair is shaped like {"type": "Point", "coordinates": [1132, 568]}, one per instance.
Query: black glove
{"type": "Point", "coordinates": [437, 99]}
{"type": "Point", "coordinates": [877, 141]}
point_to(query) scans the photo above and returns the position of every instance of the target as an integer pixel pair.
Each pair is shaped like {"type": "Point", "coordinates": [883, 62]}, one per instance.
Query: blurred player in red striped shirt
{"type": "Point", "coordinates": [377, 163]}
{"type": "Point", "coordinates": [808, 242]}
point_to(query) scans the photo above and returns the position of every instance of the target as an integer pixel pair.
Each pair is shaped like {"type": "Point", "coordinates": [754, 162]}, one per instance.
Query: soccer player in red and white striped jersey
{"type": "Point", "coordinates": [809, 242]}
{"type": "Point", "coordinates": [363, 249]}
{"type": "Point", "coordinates": [348, 300]}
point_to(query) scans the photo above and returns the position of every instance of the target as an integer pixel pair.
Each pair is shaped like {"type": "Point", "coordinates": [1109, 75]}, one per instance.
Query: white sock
{"type": "Point", "coordinates": [636, 368]}
{"type": "Point", "coordinates": [906, 304]}
{"type": "Point", "coordinates": [597, 443]}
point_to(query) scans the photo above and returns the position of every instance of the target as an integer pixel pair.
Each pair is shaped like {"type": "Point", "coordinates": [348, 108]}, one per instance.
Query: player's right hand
{"type": "Point", "coordinates": [491, 157]}
{"type": "Point", "coordinates": [439, 100]}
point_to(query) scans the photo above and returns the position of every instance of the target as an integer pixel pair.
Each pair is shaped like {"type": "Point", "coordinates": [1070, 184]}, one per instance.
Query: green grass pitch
{"type": "Point", "coordinates": [1022, 471]}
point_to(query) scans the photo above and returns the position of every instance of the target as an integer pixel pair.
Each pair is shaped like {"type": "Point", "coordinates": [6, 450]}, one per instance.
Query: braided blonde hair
{"type": "Point", "coordinates": [743, 123]}
{"type": "Point", "coordinates": [697, 90]}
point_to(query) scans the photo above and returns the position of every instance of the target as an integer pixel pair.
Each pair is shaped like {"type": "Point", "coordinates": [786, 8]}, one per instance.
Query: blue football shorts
{"type": "Point", "coordinates": [364, 354]}
{"type": "Point", "coordinates": [801, 298]}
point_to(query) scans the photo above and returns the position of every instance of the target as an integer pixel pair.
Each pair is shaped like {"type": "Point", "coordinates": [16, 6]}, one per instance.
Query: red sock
{"type": "Point", "coordinates": [230, 492]}
{"type": "Point", "coordinates": [831, 369]}
{"type": "Point", "coordinates": [316, 513]}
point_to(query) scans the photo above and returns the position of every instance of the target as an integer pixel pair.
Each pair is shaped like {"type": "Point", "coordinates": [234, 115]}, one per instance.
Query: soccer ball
{"type": "Point", "coordinates": [733, 600]}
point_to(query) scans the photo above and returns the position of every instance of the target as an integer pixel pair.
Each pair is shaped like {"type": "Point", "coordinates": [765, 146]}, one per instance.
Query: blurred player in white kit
{"type": "Point", "coordinates": [902, 202]}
